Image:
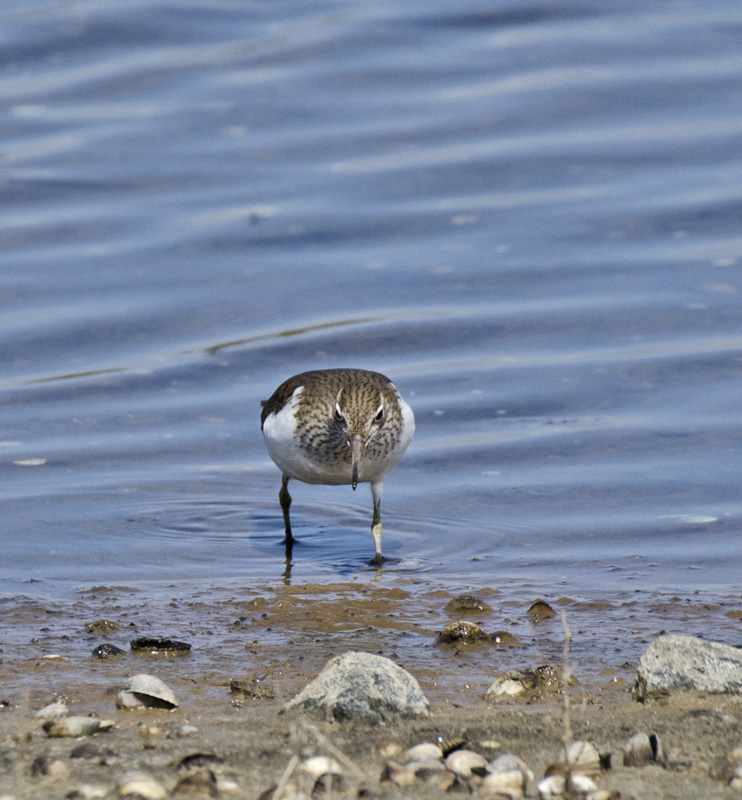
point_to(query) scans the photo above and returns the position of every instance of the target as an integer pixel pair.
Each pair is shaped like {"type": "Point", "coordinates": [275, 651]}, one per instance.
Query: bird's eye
{"type": "Point", "coordinates": [379, 415]}
{"type": "Point", "coordinates": [339, 414]}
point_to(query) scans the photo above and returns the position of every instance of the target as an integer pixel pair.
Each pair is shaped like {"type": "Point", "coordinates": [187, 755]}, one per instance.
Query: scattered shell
{"type": "Point", "coordinates": [433, 773]}
{"type": "Point", "coordinates": [331, 784]}
{"type": "Point", "coordinates": [641, 750]}
{"type": "Point", "coordinates": [506, 762]}
{"type": "Point", "coordinates": [466, 762]}
{"type": "Point", "coordinates": [581, 783]}
{"type": "Point", "coordinates": [389, 749]}
{"type": "Point", "coordinates": [731, 767]}
{"type": "Point", "coordinates": [583, 757]}
{"type": "Point", "coordinates": [425, 751]}
{"type": "Point", "coordinates": [148, 645]}
{"type": "Point", "coordinates": [289, 792]}
{"type": "Point", "coordinates": [509, 775]}
{"type": "Point", "coordinates": [449, 745]}
{"type": "Point", "coordinates": [396, 774]}
{"type": "Point", "coordinates": [227, 786]}
{"type": "Point", "coordinates": [544, 681]}
{"type": "Point", "coordinates": [462, 632]}
{"type": "Point", "coordinates": [467, 602]}
{"type": "Point", "coordinates": [507, 784]}
{"type": "Point", "coordinates": [551, 787]}
{"type": "Point", "coordinates": [321, 765]}
{"type": "Point", "coordinates": [87, 791]}
{"type": "Point", "coordinates": [142, 784]}
{"type": "Point", "coordinates": [539, 610]}
{"type": "Point", "coordinates": [49, 767]}
{"type": "Point", "coordinates": [52, 711]}
{"type": "Point", "coordinates": [146, 691]}
{"type": "Point", "coordinates": [76, 726]}
{"type": "Point", "coordinates": [91, 750]}
{"type": "Point", "coordinates": [201, 784]}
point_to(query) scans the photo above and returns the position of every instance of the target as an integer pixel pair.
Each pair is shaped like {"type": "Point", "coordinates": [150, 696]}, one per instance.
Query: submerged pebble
{"type": "Point", "coordinates": [539, 610]}
{"type": "Point", "coordinates": [467, 603]}
{"type": "Point", "coordinates": [107, 650]}
{"type": "Point", "coordinates": [150, 645]}
{"type": "Point", "coordinates": [462, 632]}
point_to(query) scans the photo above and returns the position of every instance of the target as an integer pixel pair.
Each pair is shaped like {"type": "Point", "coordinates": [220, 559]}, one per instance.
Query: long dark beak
{"type": "Point", "coordinates": [356, 450]}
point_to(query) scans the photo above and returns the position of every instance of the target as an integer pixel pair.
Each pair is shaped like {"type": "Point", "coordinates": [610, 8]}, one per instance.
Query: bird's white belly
{"type": "Point", "coordinates": [286, 451]}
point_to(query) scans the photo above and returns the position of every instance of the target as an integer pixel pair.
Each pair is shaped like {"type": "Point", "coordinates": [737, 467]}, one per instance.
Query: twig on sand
{"type": "Point", "coordinates": [290, 767]}
{"type": "Point", "coordinates": [567, 732]}
{"type": "Point", "coordinates": [566, 677]}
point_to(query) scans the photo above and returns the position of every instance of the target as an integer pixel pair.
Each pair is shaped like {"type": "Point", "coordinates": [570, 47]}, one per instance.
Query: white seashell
{"type": "Point", "coordinates": [582, 783]}
{"type": "Point", "coordinates": [462, 762]}
{"type": "Point", "coordinates": [76, 726]}
{"type": "Point", "coordinates": [507, 762]}
{"type": "Point", "coordinates": [227, 786]}
{"type": "Point", "coordinates": [641, 750]}
{"type": "Point", "coordinates": [551, 787]}
{"type": "Point", "coordinates": [151, 691]}
{"type": "Point", "coordinates": [140, 783]}
{"type": "Point", "coordinates": [89, 791]}
{"type": "Point", "coordinates": [52, 710]}
{"type": "Point", "coordinates": [425, 751]}
{"type": "Point", "coordinates": [321, 765]}
{"type": "Point", "coordinates": [509, 783]}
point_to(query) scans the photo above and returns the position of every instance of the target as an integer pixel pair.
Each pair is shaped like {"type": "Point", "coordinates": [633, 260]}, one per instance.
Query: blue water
{"type": "Point", "coordinates": [527, 215]}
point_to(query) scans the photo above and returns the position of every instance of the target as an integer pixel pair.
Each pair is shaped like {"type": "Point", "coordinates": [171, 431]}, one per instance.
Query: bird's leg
{"type": "Point", "coordinates": [285, 499]}
{"type": "Point", "coordinates": [376, 523]}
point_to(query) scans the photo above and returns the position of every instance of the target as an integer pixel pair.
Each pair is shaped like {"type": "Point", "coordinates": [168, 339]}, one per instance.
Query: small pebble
{"type": "Point", "coordinates": [107, 651]}
{"type": "Point", "coordinates": [467, 603]}
{"type": "Point", "coordinates": [539, 610]}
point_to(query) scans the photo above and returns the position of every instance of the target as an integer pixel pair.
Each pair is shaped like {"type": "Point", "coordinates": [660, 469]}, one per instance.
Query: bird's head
{"type": "Point", "coordinates": [360, 414]}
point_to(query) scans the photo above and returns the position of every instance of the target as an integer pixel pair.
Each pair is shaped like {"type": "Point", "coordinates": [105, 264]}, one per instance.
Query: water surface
{"type": "Point", "coordinates": [526, 215]}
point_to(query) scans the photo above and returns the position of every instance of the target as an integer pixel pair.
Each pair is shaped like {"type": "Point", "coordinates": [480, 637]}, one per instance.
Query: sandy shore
{"type": "Point", "coordinates": [277, 642]}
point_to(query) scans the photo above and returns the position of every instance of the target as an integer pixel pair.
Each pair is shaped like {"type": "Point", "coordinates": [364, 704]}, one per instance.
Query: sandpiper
{"type": "Point", "coordinates": [337, 426]}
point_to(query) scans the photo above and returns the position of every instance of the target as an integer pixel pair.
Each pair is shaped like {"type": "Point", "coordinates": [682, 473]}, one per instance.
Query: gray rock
{"type": "Point", "coordinates": [683, 663]}
{"type": "Point", "coordinates": [362, 685]}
